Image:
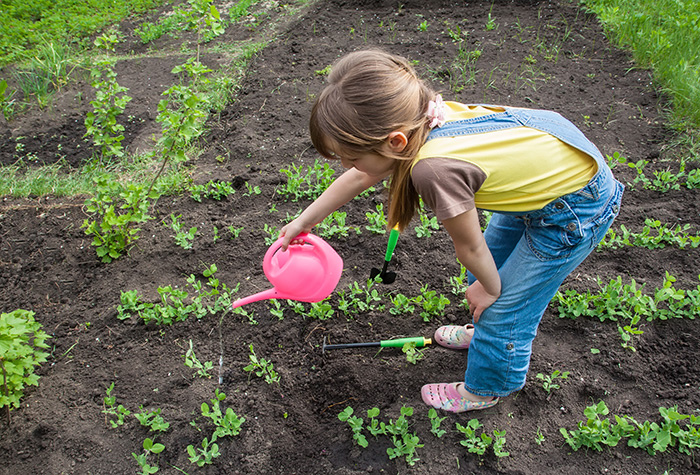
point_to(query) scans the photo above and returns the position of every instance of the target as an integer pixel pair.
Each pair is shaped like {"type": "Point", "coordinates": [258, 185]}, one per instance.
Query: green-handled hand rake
{"type": "Point", "coordinates": [397, 343]}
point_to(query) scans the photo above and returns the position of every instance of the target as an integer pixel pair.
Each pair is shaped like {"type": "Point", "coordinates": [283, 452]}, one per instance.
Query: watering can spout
{"type": "Point", "coordinates": [272, 293]}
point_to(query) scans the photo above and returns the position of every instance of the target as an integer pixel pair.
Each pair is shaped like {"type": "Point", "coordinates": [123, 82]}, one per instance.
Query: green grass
{"type": "Point", "coordinates": [26, 25]}
{"type": "Point", "coordinates": [664, 35]}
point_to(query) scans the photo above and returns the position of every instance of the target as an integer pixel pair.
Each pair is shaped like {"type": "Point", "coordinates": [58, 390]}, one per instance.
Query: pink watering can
{"type": "Point", "coordinates": [307, 272]}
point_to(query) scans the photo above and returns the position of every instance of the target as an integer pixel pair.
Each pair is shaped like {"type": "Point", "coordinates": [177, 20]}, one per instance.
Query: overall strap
{"type": "Point", "coordinates": [549, 122]}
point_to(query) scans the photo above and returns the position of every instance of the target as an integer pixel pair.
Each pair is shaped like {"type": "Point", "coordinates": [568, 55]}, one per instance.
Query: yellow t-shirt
{"type": "Point", "coordinates": [522, 169]}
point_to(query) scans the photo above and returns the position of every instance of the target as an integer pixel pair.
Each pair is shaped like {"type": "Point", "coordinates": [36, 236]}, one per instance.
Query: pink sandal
{"type": "Point", "coordinates": [445, 396]}
{"type": "Point", "coordinates": [454, 337]}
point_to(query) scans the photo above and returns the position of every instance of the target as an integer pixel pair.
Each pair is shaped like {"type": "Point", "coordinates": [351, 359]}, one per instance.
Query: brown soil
{"type": "Point", "coordinates": [49, 266]}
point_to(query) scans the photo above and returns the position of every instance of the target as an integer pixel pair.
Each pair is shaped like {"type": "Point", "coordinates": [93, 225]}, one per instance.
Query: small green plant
{"type": "Point", "coordinates": [539, 437]}
{"type": "Point", "coordinates": [276, 310]}
{"type": "Point", "coordinates": [374, 427]}
{"type": "Point", "coordinates": [629, 332]}
{"type": "Point", "coordinates": [377, 220]}
{"type": "Point", "coordinates": [226, 423]}
{"type": "Point", "coordinates": [479, 443]}
{"type": "Point", "coordinates": [402, 305]}
{"type": "Point", "coordinates": [22, 342]}
{"type": "Point", "coordinates": [235, 232]}
{"type": "Point", "coordinates": [111, 409]}
{"type": "Point", "coordinates": [333, 225]}
{"type": "Point", "coordinates": [325, 71]}
{"type": "Point", "coordinates": [355, 424]}
{"type": "Point", "coordinates": [215, 190]}
{"type": "Point", "coordinates": [262, 368]}
{"type": "Point", "coordinates": [183, 238]}
{"type": "Point", "coordinates": [149, 447]}
{"type": "Point", "coordinates": [595, 432]}
{"type": "Point", "coordinates": [114, 210]}
{"type": "Point", "coordinates": [431, 303]}
{"type": "Point", "coordinates": [359, 299]}
{"type": "Point", "coordinates": [405, 442]}
{"type": "Point", "coordinates": [252, 190]}
{"type": "Point", "coordinates": [110, 101]}
{"type": "Point", "coordinates": [423, 26]}
{"type": "Point", "coordinates": [7, 104]}
{"type": "Point", "coordinates": [271, 234]}
{"type": "Point", "coordinates": [435, 422]}
{"type": "Point", "coordinates": [152, 419]}
{"type": "Point", "coordinates": [191, 361]}
{"type": "Point", "coordinates": [413, 354]}
{"type": "Point", "coordinates": [551, 382]}
{"type": "Point", "coordinates": [307, 184]}
{"type": "Point", "coordinates": [427, 225]}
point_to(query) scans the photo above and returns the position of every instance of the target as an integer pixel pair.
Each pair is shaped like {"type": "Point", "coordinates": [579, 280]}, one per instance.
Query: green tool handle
{"type": "Point", "coordinates": [399, 342]}
{"type": "Point", "coordinates": [393, 239]}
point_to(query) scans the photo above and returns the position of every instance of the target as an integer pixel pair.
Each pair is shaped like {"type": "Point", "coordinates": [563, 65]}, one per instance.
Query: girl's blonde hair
{"type": "Point", "coordinates": [370, 94]}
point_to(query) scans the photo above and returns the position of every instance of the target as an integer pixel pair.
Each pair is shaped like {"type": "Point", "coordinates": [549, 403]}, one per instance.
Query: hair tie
{"type": "Point", "coordinates": [436, 112]}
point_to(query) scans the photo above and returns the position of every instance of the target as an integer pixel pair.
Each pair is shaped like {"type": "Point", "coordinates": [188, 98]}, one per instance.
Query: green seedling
{"type": "Point", "coordinates": [261, 367]}
{"type": "Point", "coordinates": [276, 309]}
{"type": "Point", "coordinates": [413, 354]}
{"type": "Point", "coordinates": [539, 437]}
{"type": "Point", "coordinates": [306, 185]}
{"type": "Point", "coordinates": [226, 423]}
{"type": "Point", "coordinates": [152, 419]}
{"type": "Point", "coordinates": [333, 225]}
{"type": "Point", "coordinates": [355, 424]}
{"type": "Point", "coordinates": [550, 382]}
{"type": "Point", "coordinates": [475, 444]}
{"type": "Point", "coordinates": [405, 443]}
{"type": "Point", "coordinates": [377, 220]}
{"type": "Point", "coordinates": [252, 190]}
{"type": "Point", "coordinates": [234, 231]}
{"type": "Point", "coordinates": [629, 332]}
{"type": "Point", "coordinates": [595, 432]}
{"type": "Point", "coordinates": [435, 422]}
{"type": "Point", "coordinates": [374, 427]}
{"type": "Point", "coordinates": [215, 190]}
{"type": "Point", "coordinates": [431, 303]}
{"type": "Point", "coordinates": [183, 238]}
{"type": "Point", "coordinates": [206, 454]}
{"type": "Point", "coordinates": [423, 26]}
{"type": "Point", "coordinates": [111, 409]}
{"type": "Point", "coordinates": [402, 305]}
{"type": "Point", "coordinates": [149, 447]}
{"type": "Point", "coordinates": [191, 361]}
{"type": "Point", "coordinates": [427, 225]}
{"type": "Point", "coordinates": [271, 234]}
{"type": "Point", "coordinates": [22, 342]}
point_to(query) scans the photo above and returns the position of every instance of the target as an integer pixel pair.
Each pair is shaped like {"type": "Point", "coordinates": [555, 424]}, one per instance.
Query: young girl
{"type": "Point", "coordinates": [552, 195]}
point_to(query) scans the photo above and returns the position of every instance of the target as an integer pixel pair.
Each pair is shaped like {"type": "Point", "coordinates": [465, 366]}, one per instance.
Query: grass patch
{"type": "Point", "coordinates": [27, 25]}
{"type": "Point", "coordinates": [664, 35]}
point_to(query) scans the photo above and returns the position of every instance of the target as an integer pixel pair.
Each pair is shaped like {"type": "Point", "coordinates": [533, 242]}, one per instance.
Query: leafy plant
{"type": "Point", "coordinates": [206, 454]}
{"type": "Point", "coordinates": [183, 238]}
{"type": "Point", "coordinates": [431, 303]}
{"type": "Point", "coordinates": [360, 299]}
{"type": "Point", "coordinates": [427, 225]}
{"type": "Point", "coordinates": [21, 343]}
{"type": "Point", "coordinates": [226, 423]}
{"type": "Point", "coordinates": [110, 101]}
{"type": "Point", "coordinates": [550, 382]}
{"type": "Point", "coordinates": [402, 305]}
{"type": "Point", "coordinates": [413, 354]}
{"type": "Point", "coordinates": [355, 424]}
{"type": "Point", "coordinates": [115, 209]}
{"type": "Point", "coordinates": [152, 419]}
{"type": "Point", "coordinates": [262, 368]}
{"type": "Point", "coordinates": [328, 229]}
{"type": "Point", "coordinates": [307, 184]}
{"type": "Point", "coordinates": [216, 190]}
{"type": "Point", "coordinates": [377, 220]}
{"type": "Point", "coordinates": [7, 104]}
{"type": "Point", "coordinates": [405, 442]}
{"type": "Point", "coordinates": [479, 443]}
{"type": "Point", "coordinates": [593, 433]}
{"type": "Point", "coordinates": [191, 361]}
{"type": "Point", "coordinates": [435, 422]}
{"type": "Point", "coordinates": [112, 409]}
{"type": "Point", "coordinates": [149, 447]}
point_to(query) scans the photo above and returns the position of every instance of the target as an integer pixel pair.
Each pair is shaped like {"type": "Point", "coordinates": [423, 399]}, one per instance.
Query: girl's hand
{"type": "Point", "coordinates": [292, 230]}
{"type": "Point", "coordinates": [479, 299]}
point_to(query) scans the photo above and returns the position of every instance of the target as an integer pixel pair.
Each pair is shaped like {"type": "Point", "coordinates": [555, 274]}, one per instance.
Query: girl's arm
{"type": "Point", "coordinates": [474, 254]}
{"type": "Point", "coordinates": [343, 189]}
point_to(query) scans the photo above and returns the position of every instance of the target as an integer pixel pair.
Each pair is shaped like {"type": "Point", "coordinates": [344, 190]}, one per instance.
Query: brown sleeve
{"type": "Point", "coordinates": [447, 185]}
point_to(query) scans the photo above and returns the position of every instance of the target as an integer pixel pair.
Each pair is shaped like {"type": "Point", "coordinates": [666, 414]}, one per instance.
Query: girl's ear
{"type": "Point", "coordinates": [397, 141]}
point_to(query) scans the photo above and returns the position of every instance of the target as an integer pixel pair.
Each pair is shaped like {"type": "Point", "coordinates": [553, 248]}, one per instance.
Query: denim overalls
{"type": "Point", "coordinates": [534, 252]}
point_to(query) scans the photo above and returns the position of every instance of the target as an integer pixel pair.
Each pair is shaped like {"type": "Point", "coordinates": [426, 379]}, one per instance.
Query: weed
{"type": "Point", "coordinates": [262, 368]}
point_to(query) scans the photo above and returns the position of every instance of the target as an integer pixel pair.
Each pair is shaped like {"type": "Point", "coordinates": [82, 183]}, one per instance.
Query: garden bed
{"type": "Point", "coordinates": [540, 54]}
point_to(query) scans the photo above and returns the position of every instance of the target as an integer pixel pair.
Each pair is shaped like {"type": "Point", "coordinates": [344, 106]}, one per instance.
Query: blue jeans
{"type": "Point", "coordinates": [534, 252]}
